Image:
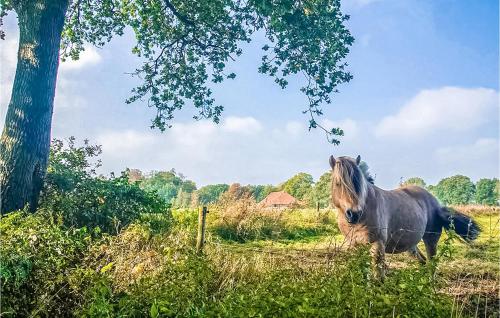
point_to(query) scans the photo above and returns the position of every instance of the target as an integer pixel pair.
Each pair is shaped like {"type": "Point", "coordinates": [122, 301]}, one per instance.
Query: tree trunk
{"type": "Point", "coordinates": [25, 141]}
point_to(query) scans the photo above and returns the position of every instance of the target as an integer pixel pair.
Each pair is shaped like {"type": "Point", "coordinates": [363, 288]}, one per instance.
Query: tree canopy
{"type": "Point", "coordinates": [211, 193]}
{"type": "Point", "coordinates": [299, 185]}
{"type": "Point", "coordinates": [168, 185]}
{"type": "Point", "coordinates": [455, 190]}
{"type": "Point", "coordinates": [186, 45]}
{"type": "Point", "coordinates": [322, 191]}
{"type": "Point", "coordinates": [414, 181]}
{"type": "Point", "coordinates": [486, 191]}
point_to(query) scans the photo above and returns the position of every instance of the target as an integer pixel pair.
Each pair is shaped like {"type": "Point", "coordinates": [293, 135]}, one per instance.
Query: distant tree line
{"type": "Point", "coordinates": [180, 192]}
{"type": "Point", "coordinates": [460, 189]}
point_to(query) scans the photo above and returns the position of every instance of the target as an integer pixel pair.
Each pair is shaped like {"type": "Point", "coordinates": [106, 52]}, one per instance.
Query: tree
{"type": "Point", "coordinates": [414, 181]}
{"type": "Point", "coordinates": [322, 190]}
{"type": "Point", "coordinates": [486, 191]}
{"type": "Point", "coordinates": [259, 192]}
{"type": "Point", "coordinates": [299, 185]}
{"type": "Point", "coordinates": [169, 185]}
{"type": "Point", "coordinates": [211, 193]}
{"type": "Point", "coordinates": [455, 190]}
{"type": "Point", "coordinates": [185, 46]}
{"type": "Point", "coordinates": [134, 175]}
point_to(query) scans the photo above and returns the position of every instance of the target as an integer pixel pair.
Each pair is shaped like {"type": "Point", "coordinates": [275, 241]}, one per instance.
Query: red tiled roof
{"type": "Point", "coordinates": [278, 198]}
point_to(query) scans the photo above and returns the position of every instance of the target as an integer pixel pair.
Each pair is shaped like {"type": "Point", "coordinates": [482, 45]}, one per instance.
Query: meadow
{"type": "Point", "coordinates": [255, 263]}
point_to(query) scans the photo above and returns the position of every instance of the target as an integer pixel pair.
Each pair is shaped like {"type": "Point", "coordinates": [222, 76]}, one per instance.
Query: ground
{"type": "Point", "coordinates": [468, 274]}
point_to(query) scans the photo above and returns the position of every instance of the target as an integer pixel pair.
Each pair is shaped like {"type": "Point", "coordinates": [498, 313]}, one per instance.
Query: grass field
{"type": "Point", "coordinates": [254, 264]}
{"type": "Point", "coordinates": [467, 274]}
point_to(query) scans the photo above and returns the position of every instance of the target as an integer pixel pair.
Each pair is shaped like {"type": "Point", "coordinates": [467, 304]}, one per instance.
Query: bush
{"type": "Point", "coordinates": [174, 281]}
{"type": "Point", "coordinates": [36, 257]}
{"type": "Point", "coordinates": [74, 194]}
{"type": "Point", "coordinates": [237, 217]}
{"type": "Point", "coordinates": [139, 273]}
{"type": "Point", "coordinates": [241, 220]}
{"type": "Point", "coordinates": [343, 289]}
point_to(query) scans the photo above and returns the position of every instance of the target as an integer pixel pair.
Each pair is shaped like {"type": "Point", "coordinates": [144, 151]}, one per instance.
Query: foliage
{"type": "Point", "coordinates": [73, 194]}
{"type": "Point", "coordinates": [322, 191]}
{"type": "Point", "coordinates": [414, 181]}
{"type": "Point", "coordinates": [36, 257]}
{"type": "Point", "coordinates": [260, 192]}
{"type": "Point", "coordinates": [241, 219]}
{"type": "Point", "coordinates": [185, 45]}
{"type": "Point", "coordinates": [454, 190]}
{"type": "Point", "coordinates": [486, 192]}
{"type": "Point", "coordinates": [299, 185]}
{"type": "Point", "coordinates": [49, 270]}
{"type": "Point", "coordinates": [228, 283]}
{"type": "Point", "coordinates": [170, 186]}
{"type": "Point", "coordinates": [211, 193]}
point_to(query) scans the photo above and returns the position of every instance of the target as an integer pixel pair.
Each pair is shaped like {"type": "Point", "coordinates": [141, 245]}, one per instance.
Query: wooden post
{"type": "Point", "coordinates": [200, 241]}
{"type": "Point", "coordinates": [317, 209]}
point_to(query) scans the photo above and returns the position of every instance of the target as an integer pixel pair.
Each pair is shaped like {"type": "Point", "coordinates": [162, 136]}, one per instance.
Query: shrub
{"type": "Point", "coordinates": [237, 217]}
{"type": "Point", "coordinates": [36, 257]}
{"type": "Point", "coordinates": [73, 193]}
{"type": "Point", "coordinates": [139, 273]}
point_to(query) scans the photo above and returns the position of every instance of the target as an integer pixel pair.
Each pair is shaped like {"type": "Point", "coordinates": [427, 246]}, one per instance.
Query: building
{"type": "Point", "coordinates": [279, 200]}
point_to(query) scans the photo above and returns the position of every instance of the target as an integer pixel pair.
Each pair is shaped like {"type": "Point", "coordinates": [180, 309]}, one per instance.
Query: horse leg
{"type": "Point", "coordinates": [377, 252]}
{"type": "Point", "coordinates": [431, 240]}
{"type": "Point", "coordinates": [416, 253]}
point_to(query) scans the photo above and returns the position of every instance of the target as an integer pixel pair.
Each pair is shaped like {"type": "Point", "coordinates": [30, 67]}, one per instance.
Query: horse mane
{"type": "Point", "coordinates": [364, 168]}
{"type": "Point", "coordinates": [352, 179]}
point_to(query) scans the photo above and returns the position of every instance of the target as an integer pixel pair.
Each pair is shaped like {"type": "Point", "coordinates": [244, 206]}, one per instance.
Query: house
{"type": "Point", "coordinates": [279, 200]}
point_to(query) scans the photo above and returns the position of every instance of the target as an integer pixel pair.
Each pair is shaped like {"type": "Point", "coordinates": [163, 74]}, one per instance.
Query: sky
{"type": "Point", "coordinates": [424, 102]}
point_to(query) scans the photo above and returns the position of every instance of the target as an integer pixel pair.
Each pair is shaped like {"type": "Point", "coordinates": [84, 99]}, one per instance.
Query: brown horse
{"type": "Point", "coordinates": [390, 221]}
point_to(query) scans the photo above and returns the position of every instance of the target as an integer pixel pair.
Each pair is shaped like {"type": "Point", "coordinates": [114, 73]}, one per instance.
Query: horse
{"type": "Point", "coordinates": [390, 221]}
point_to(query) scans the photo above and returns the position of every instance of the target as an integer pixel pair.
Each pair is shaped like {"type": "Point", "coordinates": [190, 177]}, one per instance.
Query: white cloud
{"type": "Point", "coordinates": [349, 126]}
{"type": "Point", "coordinates": [244, 125]}
{"type": "Point", "coordinates": [124, 142]}
{"type": "Point", "coordinates": [294, 128]}
{"type": "Point", "coordinates": [452, 109]}
{"type": "Point", "coordinates": [476, 160]}
{"type": "Point", "coordinates": [88, 57]}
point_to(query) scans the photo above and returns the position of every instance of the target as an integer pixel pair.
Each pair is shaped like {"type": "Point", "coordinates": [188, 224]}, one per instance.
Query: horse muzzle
{"type": "Point", "coordinates": [352, 217]}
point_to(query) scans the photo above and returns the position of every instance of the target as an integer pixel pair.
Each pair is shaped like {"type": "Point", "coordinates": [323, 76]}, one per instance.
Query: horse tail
{"type": "Point", "coordinates": [463, 225]}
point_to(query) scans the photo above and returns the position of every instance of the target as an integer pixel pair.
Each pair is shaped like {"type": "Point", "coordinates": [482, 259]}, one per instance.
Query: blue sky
{"type": "Point", "coordinates": [423, 102]}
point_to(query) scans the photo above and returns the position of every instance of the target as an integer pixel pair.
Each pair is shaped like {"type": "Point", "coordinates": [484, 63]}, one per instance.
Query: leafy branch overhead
{"type": "Point", "coordinates": [187, 44]}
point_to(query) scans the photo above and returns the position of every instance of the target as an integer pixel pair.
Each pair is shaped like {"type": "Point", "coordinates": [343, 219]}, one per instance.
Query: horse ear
{"type": "Point", "coordinates": [358, 159]}
{"type": "Point", "coordinates": [332, 162]}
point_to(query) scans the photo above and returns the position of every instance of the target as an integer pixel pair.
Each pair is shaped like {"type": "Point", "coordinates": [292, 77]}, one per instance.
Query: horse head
{"type": "Point", "coordinates": [349, 187]}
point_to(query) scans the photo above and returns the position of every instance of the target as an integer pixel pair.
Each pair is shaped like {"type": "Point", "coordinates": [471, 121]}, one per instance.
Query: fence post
{"type": "Point", "coordinates": [317, 209]}
{"type": "Point", "coordinates": [200, 241]}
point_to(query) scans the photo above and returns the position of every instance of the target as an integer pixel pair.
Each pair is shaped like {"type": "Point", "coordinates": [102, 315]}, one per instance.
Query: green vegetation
{"type": "Point", "coordinates": [184, 48]}
{"type": "Point", "coordinates": [299, 186]}
{"type": "Point", "coordinates": [211, 193]}
{"type": "Point", "coordinates": [171, 186]}
{"type": "Point", "coordinates": [486, 192]}
{"type": "Point", "coordinates": [414, 181]}
{"type": "Point", "coordinates": [157, 273]}
{"type": "Point", "coordinates": [105, 247]}
{"type": "Point", "coordinates": [454, 190]}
